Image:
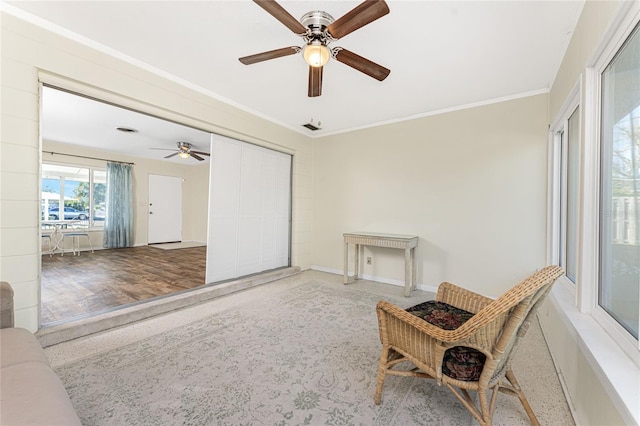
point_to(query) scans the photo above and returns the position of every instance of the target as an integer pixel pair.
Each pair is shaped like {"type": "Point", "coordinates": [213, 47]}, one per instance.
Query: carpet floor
{"type": "Point", "coordinates": [300, 351]}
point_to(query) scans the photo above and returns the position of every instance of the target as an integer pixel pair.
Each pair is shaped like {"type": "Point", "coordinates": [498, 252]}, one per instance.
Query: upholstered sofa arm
{"type": "Point", "coordinates": [6, 305]}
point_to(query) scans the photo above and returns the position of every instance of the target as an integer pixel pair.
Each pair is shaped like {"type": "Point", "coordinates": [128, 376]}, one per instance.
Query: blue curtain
{"type": "Point", "coordinates": [118, 224]}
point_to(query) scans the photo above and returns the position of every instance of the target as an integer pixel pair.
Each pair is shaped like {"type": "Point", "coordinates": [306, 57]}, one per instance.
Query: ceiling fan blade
{"type": "Point", "coordinates": [315, 81]}
{"type": "Point", "coordinates": [358, 17]}
{"type": "Point", "coordinates": [362, 64]}
{"type": "Point", "coordinates": [196, 156]}
{"type": "Point", "coordinates": [278, 12]}
{"type": "Point", "coordinates": [171, 155]}
{"type": "Point", "coordinates": [200, 152]}
{"type": "Point", "coordinates": [271, 54]}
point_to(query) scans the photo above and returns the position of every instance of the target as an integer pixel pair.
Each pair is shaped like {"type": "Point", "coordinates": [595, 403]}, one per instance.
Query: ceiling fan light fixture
{"type": "Point", "coordinates": [184, 154]}
{"type": "Point", "coordinates": [316, 54]}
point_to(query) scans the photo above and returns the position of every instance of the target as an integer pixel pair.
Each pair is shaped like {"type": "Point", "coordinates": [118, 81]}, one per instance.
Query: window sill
{"type": "Point", "coordinates": [619, 374]}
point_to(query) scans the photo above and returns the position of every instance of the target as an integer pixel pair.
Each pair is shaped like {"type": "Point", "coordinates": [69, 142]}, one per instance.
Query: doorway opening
{"type": "Point", "coordinates": [79, 137]}
{"type": "Point", "coordinates": [166, 258]}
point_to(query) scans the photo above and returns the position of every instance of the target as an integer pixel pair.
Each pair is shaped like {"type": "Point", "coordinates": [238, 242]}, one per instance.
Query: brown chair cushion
{"type": "Point", "coordinates": [461, 362]}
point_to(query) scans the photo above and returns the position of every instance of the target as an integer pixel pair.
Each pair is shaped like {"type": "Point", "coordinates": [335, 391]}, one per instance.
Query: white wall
{"type": "Point", "coordinates": [195, 201]}
{"type": "Point", "coordinates": [587, 395]}
{"type": "Point", "coordinates": [595, 19]}
{"type": "Point", "coordinates": [29, 53]}
{"type": "Point", "coordinates": [471, 184]}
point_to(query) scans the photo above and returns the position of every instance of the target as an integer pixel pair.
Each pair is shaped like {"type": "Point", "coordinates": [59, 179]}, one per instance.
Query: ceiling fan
{"type": "Point", "coordinates": [184, 151]}
{"type": "Point", "coordinates": [318, 29]}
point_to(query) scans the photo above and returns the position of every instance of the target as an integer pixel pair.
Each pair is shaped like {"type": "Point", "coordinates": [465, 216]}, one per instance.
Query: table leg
{"type": "Point", "coordinates": [413, 268]}
{"type": "Point", "coordinates": [57, 238]}
{"type": "Point", "coordinates": [357, 261]}
{"type": "Point", "coordinates": [407, 272]}
{"type": "Point", "coordinates": [346, 263]}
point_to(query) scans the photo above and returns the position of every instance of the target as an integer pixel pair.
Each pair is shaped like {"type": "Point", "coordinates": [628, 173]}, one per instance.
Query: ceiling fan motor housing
{"type": "Point", "coordinates": [184, 146]}
{"type": "Point", "coordinates": [317, 22]}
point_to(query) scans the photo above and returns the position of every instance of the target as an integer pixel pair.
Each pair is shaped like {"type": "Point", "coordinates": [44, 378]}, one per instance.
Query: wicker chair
{"type": "Point", "coordinates": [494, 329]}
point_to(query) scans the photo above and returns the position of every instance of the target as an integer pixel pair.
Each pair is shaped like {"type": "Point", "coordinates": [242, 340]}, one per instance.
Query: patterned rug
{"type": "Point", "coordinates": [306, 357]}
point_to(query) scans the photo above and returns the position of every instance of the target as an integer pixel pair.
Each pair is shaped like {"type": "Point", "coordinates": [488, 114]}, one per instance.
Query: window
{"type": "Point", "coordinates": [619, 219]}
{"type": "Point", "coordinates": [98, 205]}
{"type": "Point", "coordinates": [594, 231]}
{"type": "Point", "coordinates": [568, 139]}
{"type": "Point", "coordinates": [74, 193]}
{"type": "Point", "coordinates": [594, 185]}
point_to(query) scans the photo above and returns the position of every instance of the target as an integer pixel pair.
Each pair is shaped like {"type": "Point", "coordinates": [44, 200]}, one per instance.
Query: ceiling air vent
{"type": "Point", "coordinates": [127, 129]}
{"type": "Point", "coordinates": [312, 126]}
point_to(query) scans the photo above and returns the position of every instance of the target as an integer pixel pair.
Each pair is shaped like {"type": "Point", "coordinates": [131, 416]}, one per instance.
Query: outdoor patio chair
{"type": "Point", "coordinates": [80, 230]}
{"type": "Point", "coordinates": [463, 340]}
{"type": "Point", "coordinates": [46, 239]}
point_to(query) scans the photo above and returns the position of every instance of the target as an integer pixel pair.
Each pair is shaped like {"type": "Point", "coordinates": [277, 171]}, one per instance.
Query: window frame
{"type": "Point", "coordinates": [587, 95]}
{"type": "Point", "coordinates": [558, 155]}
{"type": "Point", "coordinates": [91, 182]}
{"type": "Point", "coordinates": [592, 193]}
{"type": "Point", "coordinates": [560, 161]}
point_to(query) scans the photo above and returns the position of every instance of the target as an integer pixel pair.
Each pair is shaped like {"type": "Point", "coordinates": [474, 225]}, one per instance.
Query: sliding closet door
{"type": "Point", "coordinates": [249, 209]}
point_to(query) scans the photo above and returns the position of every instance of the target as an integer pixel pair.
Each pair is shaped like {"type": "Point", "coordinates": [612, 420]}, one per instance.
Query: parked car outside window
{"type": "Point", "coordinates": [98, 214]}
{"type": "Point", "coordinates": [69, 214]}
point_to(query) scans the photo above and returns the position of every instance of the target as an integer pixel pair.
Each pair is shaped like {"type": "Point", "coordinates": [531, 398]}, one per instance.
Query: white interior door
{"type": "Point", "coordinates": [165, 209]}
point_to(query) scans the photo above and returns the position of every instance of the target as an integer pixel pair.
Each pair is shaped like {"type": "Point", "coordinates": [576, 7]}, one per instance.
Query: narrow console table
{"type": "Point", "coordinates": [406, 242]}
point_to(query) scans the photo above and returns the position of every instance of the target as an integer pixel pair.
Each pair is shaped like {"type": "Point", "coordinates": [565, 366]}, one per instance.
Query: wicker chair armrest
{"type": "Point", "coordinates": [467, 332]}
{"type": "Point", "coordinates": [461, 298]}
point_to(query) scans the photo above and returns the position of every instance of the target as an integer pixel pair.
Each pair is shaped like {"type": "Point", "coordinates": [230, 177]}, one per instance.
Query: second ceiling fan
{"type": "Point", "coordinates": [185, 150]}
{"type": "Point", "coordinates": [318, 29]}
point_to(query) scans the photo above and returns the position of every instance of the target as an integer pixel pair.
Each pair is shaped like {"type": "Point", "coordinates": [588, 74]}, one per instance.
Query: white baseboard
{"type": "Point", "coordinates": [399, 283]}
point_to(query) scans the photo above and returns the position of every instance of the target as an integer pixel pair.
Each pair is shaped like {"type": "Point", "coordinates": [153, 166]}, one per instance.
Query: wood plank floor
{"type": "Point", "coordinates": [74, 286]}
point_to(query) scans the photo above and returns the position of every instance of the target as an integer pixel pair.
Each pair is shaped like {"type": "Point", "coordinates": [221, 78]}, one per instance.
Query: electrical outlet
{"type": "Point", "coordinates": [368, 260]}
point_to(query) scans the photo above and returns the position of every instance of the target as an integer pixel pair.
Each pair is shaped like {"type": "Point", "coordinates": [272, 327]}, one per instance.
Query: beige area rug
{"type": "Point", "coordinates": [178, 245]}
{"type": "Point", "coordinates": [304, 357]}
